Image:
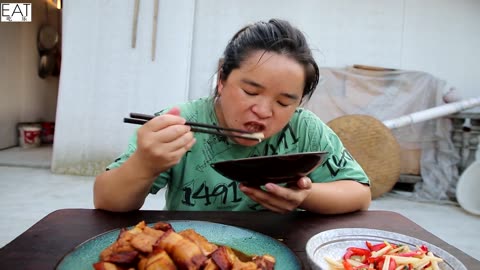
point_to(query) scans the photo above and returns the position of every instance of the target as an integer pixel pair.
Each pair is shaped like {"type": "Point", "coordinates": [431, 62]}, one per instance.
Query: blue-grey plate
{"type": "Point", "coordinates": [247, 241]}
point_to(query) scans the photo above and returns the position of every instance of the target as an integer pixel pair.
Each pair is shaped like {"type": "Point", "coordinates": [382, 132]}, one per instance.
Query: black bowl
{"type": "Point", "coordinates": [257, 171]}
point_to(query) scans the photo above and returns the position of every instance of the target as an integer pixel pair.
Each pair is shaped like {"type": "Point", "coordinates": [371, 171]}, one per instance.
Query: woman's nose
{"type": "Point", "coordinates": [262, 109]}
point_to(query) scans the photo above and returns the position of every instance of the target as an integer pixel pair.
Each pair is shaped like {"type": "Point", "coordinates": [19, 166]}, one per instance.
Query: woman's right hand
{"type": "Point", "coordinates": [162, 142]}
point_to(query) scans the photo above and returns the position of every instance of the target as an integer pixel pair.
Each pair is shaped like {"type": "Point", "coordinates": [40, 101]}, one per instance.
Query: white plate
{"type": "Point", "coordinates": [467, 188]}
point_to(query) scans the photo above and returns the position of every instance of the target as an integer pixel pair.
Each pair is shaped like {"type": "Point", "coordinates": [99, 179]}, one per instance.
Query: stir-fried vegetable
{"type": "Point", "coordinates": [386, 256]}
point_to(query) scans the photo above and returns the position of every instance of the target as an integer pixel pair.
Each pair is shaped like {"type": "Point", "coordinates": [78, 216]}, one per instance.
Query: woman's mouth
{"type": "Point", "coordinates": [256, 130]}
{"type": "Point", "coordinates": [254, 127]}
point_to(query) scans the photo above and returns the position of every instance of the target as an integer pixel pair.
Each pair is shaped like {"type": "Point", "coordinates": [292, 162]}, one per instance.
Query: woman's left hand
{"type": "Point", "coordinates": [280, 199]}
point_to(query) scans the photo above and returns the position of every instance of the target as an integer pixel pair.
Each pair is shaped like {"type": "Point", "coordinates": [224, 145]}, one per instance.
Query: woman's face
{"type": "Point", "coordinates": [261, 95]}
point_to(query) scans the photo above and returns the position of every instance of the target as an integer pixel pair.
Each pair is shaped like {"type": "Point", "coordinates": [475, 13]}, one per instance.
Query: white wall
{"type": "Point", "coordinates": [103, 79]}
{"type": "Point", "coordinates": [441, 37]}
{"type": "Point", "coordinates": [24, 96]}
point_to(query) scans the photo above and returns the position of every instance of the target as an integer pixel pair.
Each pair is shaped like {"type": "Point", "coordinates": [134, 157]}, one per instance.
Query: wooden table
{"type": "Point", "coordinates": [46, 242]}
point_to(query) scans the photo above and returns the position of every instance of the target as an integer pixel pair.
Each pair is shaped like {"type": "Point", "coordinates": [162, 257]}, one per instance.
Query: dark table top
{"type": "Point", "coordinates": [37, 249]}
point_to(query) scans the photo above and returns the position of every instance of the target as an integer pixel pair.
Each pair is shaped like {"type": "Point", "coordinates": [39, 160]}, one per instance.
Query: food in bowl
{"type": "Point", "coordinates": [257, 136]}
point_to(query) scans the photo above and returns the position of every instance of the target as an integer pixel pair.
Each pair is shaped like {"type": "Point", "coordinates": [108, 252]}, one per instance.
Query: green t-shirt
{"type": "Point", "coordinates": [194, 185]}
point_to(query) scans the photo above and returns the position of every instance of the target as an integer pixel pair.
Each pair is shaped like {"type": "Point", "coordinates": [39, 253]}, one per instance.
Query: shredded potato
{"type": "Point", "coordinates": [385, 256]}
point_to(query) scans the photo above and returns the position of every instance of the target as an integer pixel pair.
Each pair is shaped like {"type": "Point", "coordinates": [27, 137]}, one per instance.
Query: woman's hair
{"type": "Point", "coordinates": [277, 36]}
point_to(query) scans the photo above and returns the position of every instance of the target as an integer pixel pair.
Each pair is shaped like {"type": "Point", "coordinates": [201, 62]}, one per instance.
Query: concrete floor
{"type": "Point", "coordinates": [29, 191]}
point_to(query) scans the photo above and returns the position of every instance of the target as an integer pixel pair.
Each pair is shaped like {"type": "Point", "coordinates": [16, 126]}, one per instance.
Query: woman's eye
{"type": "Point", "coordinates": [282, 104]}
{"type": "Point", "coordinates": [249, 93]}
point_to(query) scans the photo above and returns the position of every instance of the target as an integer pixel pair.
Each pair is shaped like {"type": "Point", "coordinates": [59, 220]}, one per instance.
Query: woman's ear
{"type": "Point", "coordinates": [220, 82]}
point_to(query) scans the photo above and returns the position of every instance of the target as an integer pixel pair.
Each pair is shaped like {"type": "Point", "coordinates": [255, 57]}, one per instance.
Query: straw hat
{"type": "Point", "coordinates": [373, 146]}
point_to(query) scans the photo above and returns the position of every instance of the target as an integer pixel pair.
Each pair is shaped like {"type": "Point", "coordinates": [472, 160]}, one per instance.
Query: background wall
{"type": "Point", "coordinates": [440, 37]}
{"type": "Point", "coordinates": [24, 96]}
{"type": "Point", "coordinates": [103, 78]}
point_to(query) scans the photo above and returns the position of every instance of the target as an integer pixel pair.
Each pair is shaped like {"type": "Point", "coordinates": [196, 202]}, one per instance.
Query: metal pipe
{"type": "Point", "coordinates": [432, 113]}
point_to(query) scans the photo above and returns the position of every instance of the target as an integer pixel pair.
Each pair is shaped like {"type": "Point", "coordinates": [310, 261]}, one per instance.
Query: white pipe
{"type": "Point", "coordinates": [432, 113]}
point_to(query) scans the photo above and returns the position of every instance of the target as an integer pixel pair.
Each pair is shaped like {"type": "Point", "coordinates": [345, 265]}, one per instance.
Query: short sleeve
{"type": "Point", "coordinates": [159, 183]}
{"type": "Point", "coordinates": [339, 164]}
{"type": "Point", "coordinates": [132, 146]}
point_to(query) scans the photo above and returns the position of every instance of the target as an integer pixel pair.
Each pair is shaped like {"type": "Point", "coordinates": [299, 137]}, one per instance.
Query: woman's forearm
{"type": "Point", "coordinates": [124, 188]}
{"type": "Point", "coordinates": [337, 197]}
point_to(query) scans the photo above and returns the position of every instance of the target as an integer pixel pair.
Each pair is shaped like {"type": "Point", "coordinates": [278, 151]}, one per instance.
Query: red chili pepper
{"type": "Point", "coordinates": [380, 263]}
{"type": "Point", "coordinates": [375, 260]}
{"type": "Point", "coordinates": [347, 265]}
{"type": "Point", "coordinates": [424, 248]}
{"type": "Point", "coordinates": [392, 265]}
{"type": "Point", "coordinates": [410, 254]}
{"type": "Point", "coordinates": [354, 251]}
{"type": "Point", "coordinates": [376, 247]}
{"type": "Point", "coordinates": [348, 254]}
{"type": "Point", "coordinates": [359, 251]}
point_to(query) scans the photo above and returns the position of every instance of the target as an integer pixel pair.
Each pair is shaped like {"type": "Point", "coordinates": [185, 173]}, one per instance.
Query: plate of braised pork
{"type": "Point", "coordinates": [180, 244]}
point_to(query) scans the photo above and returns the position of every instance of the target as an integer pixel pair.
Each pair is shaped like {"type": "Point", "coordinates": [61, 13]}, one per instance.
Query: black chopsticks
{"type": "Point", "coordinates": [140, 119]}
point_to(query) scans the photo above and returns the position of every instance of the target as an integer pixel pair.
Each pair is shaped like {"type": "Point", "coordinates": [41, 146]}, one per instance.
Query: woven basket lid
{"type": "Point", "coordinates": [373, 146]}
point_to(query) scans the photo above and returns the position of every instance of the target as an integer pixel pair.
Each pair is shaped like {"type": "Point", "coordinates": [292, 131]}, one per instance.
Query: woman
{"type": "Point", "coordinates": [268, 70]}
